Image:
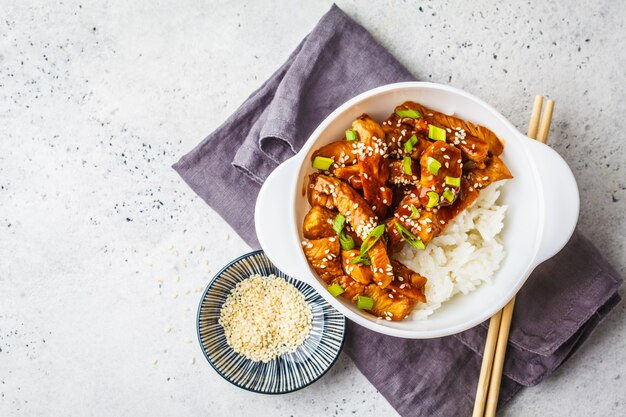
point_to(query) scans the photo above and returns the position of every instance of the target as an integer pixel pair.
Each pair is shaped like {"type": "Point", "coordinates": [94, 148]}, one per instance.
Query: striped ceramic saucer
{"type": "Point", "coordinates": [286, 373]}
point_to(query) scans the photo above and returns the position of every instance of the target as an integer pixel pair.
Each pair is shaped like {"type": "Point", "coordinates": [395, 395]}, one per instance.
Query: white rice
{"type": "Point", "coordinates": [464, 256]}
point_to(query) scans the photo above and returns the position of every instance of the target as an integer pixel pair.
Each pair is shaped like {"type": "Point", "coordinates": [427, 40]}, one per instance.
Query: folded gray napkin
{"type": "Point", "coordinates": [556, 310]}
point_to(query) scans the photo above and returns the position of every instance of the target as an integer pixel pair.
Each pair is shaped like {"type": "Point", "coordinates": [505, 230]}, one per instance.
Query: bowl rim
{"type": "Point", "coordinates": [210, 361]}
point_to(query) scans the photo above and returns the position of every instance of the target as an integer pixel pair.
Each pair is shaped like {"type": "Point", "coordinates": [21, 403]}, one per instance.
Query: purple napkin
{"type": "Point", "coordinates": [556, 311]}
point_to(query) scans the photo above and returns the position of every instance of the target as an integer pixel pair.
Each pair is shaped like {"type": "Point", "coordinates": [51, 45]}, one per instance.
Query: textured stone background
{"type": "Point", "coordinates": [104, 251]}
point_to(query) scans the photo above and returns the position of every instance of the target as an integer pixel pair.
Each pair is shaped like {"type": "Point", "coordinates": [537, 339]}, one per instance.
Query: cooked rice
{"type": "Point", "coordinates": [464, 256]}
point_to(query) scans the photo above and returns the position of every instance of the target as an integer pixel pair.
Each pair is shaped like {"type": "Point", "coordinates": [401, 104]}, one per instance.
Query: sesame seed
{"type": "Point", "coordinates": [265, 317]}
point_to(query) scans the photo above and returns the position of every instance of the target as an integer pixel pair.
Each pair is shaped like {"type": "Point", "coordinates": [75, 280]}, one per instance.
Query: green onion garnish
{"type": "Point", "coordinates": [364, 303]}
{"type": "Point", "coordinates": [415, 213]}
{"type": "Point", "coordinates": [351, 135]}
{"type": "Point", "coordinates": [374, 235]}
{"type": "Point", "coordinates": [346, 241]}
{"type": "Point", "coordinates": [417, 244]}
{"type": "Point", "coordinates": [436, 133]}
{"type": "Point", "coordinates": [433, 165]}
{"type": "Point", "coordinates": [322, 163]}
{"type": "Point", "coordinates": [413, 114]}
{"type": "Point", "coordinates": [453, 181]}
{"type": "Point", "coordinates": [448, 195]}
{"type": "Point", "coordinates": [335, 290]}
{"type": "Point", "coordinates": [406, 165]}
{"type": "Point", "coordinates": [368, 243]}
{"type": "Point", "coordinates": [409, 144]}
{"type": "Point", "coordinates": [339, 222]}
{"type": "Point", "coordinates": [361, 259]}
{"type": "Point", "coordinates": [433, 199]}
{"type": "Point", "coordinates": [409, 237]}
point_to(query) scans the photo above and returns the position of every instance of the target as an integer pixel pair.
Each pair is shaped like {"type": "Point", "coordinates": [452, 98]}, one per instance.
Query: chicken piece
{"type": "Point", "coordinates": [396, 307]}
{"type": "Point", "coordinates": [425, 227]}
{"type": "Point", "coordinates": [341, 151]}
{"type": "Point", "coordinates": [450, 165]}
{"type": "Point", "coordinates": [495, 170]}
{"type": "Point", "coordinates": [338, 194]}
{"type": "Point", "coordinates": [388, 304]}
{"type": "Point", "coordinates": [372, 160]}
{"type": "Point", "coordinates": [398, 176]}
{"type": "Point", "coordinates": [466, 198]}
{"type": "Point", "coordinates": [394, 239]}
{"type": "Point", "coordinates": [473, 148]}
{"type": "Point", "coordinates": [324, 255]}
{"type": "Point", "coordinates": [351, 173]}
{"type": "Point", "coordinates": [381, 265]}
{"type": "Point", "coordinates": [358, 272]}
{"type": "Point", "coordinates": [318, 223]}
{"type": "Point", "coordinates": [399, 130]}
{"type": "Point", "coordinates": [461, 128]}
{"type": "Point", "coordinates": [408, 282]}
{"type": "Point", "coordinates": [316, 197]}
{"type": "Point", "coordinates": [351, 288]}
{"type": "Point", "coordinates": [471, 184]}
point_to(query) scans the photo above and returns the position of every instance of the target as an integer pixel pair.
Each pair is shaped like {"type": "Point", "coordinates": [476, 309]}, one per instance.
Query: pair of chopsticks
{"type": "Point", "coordinates": [498, 335]}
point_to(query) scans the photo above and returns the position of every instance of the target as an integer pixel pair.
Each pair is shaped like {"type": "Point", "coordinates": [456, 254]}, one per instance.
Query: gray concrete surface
{"type": "Point", "coordinates": [103, 250]}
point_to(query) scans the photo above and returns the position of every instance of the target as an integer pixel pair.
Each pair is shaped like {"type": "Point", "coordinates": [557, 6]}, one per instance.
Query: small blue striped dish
{"type": "Point", "coordinates": [288, 372]}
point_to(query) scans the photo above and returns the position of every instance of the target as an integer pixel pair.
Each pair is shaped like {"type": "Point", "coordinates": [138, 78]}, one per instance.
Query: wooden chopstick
{"type": "Point", "coordinates": [500, 323]}
{"type": "Point", "coordinates": [544, 127]}
{"type": "Point", "coordinates": [485, 367]}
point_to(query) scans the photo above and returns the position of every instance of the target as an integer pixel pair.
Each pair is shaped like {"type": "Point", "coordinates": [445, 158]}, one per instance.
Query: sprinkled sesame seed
{"type": "Point", "coordinates": [265, 317]}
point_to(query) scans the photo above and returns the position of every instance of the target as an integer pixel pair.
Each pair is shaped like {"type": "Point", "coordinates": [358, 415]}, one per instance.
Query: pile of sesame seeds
{"type": "Point", "coordinates": [265, 317]}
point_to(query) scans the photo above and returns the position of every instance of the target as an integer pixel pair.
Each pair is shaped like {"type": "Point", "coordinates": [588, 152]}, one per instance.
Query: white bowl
{"type": "Point", "coordinates": [542, 202]}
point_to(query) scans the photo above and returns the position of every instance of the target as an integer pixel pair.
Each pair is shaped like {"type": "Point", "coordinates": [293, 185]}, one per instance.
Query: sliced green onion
{"type": "Point", "coordinates": [335, 290]}
{"type": "Point", "coordinates": [406, 165]}
{"type": "Point", "coordinates": [351, 135]}
{"type": "Point", "coordinates": [339, 222]}
{"type": "Point", "coordinates": [364, 303]}
{"type": "Point", "coordinates": [346, 241]}
{"type": "Point", "coordinates": [372, 238]}
{"type": "Point", "coordinates": [409, 237]}
{"type": "Point", "coordinates": [409, 144]}
{"type": "Point", "coordinates": [453, 181]}
{"type": "Point", "coordinates": [436, 133]}
{"type": "Point", "coordinates": [415, 213]}
{"type": "Point", "coordinates": [413, 114]}
{"type": "Point", "coordinates": [417, 243]}
{"type": "Point", "coordinates": [433, 165]}
{"type": "Point", "coordinates": [448, 195]}
{"type": "Point", "coordinates": [361, 259]}
{"type": "Point", "coordinates": [433, 199]}
{"type": "Point", "coordinates": [368, 243]}
{"type": "Point", "coordinates": [322, 163]}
